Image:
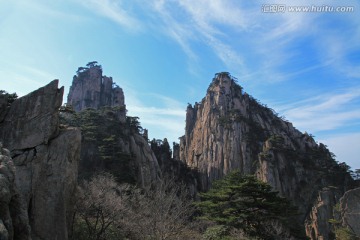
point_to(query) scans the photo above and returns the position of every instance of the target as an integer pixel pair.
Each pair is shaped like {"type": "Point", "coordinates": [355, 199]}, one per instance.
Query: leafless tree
{"type": "Point", "coordinates": [99, 207]}
{"type": "Point", "coordinates": [105, 210]}
{"type": "Point", "coordinates": [161, 211]}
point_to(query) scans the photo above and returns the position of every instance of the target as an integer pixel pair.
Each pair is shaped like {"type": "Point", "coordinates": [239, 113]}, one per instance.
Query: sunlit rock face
{"type": "Point", "coordinates": [230, 130]}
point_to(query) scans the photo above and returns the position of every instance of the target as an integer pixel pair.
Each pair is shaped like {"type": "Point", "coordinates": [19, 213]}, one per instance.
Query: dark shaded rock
{"type": "Point", "coordinates": [317, 224]}
{"type": "Point", "coordinates": [33, 119]}
{"type": "Point", "coordinates": [350, 210]}
{"type": "Point", "coordinates": [90, 89]}
{"type": "Point", "coordinates": [110, 145]}
{"type": "Point", "coordinates": [47, 176]}
{"type": "Point", "coordinates": [46, 162]}
{"type": "Point", "coordinates": [14, 222]}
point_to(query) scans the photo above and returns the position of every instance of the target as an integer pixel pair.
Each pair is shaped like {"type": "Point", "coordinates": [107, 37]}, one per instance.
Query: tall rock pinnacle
{"type": "Point", "coordinates": [90, 89]}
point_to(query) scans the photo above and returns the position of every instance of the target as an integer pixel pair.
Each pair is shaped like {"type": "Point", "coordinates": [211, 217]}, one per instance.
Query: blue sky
{"type": "Point", "coordinates": [164, 53]}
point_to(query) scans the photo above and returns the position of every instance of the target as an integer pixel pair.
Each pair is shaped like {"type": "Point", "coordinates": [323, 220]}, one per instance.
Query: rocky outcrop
{"type": "Point", "coordinates": [171, 167]}
{"type": "Point", "coordinates": [110, 145]}
{"type": "Point", "coordinates": [231, 130]}
{"type": "Point", "coordinates": [349, 211]}
{"type": "Point", "coordinates": [99, 105]}
{"type": "Point", "coordinates": [317, 224]}
{"type": "Point", "coordinates": [45, 158]}
{"type": "Point", "coordinates": [90, 89]}
{"type": "Point", "coordinates": [14, 221]}
{"type": "Point", "coordinates": [147, 163]}
{"type": "Point", "coordinates": [33, 120]}
{"type": "Point", "coordinates": [47, 178]}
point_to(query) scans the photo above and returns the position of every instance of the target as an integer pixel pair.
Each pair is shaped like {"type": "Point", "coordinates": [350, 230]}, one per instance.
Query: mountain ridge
{"type": "Point", "coordinates": [228, 130]}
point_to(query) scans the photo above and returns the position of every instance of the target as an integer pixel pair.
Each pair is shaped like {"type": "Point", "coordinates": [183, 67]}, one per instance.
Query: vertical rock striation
{"type": "Point", "coordinates": [231, 130]}
{"type": "Point", "coordinates": [45, 158]}
{"type": "Point", "coordinates": [90, 89]}
{"type": "Point", "coordinates": [99, 99]}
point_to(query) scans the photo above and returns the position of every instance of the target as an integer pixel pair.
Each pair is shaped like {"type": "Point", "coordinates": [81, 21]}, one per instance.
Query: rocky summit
{"type": "Point", "coordinates": [230, 130]}
{"type": "Point", "coordinates": [90, 89]}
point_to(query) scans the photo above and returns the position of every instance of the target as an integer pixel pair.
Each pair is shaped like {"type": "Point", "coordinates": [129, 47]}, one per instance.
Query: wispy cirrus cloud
{"type": "Point", "coordinates": [115, 11]}
{"type": "Point", "coordinates": [201, 25]}
{"type": "Point", "coordinates": [241, 36]}
{"type": "Point", "coordinates": [324, 112]}
{"type": "Point", "coordinates": [168, 117]}
{"type": "Point", "coordinates": [257, 47]}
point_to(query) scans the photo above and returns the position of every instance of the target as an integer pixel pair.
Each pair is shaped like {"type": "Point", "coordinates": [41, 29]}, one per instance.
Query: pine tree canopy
{"type": "Point", "coordinates": [246, 203]}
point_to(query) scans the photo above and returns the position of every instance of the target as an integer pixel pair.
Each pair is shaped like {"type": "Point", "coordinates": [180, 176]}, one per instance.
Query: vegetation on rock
{"type": "Point", "coordinates": [102, 133]}
{"type": "Point", "coordinates": [8, 97]}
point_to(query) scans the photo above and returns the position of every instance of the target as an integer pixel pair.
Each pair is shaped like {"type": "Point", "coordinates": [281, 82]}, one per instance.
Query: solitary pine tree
{"type": "Point", "coordinates": [244, 202]}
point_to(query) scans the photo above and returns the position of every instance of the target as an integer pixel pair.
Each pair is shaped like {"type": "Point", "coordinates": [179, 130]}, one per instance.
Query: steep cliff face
{"type": "Point", "coordinates": [228, 129]}
{"type": "Point", "coordinates": [173, 168]}
{"type": "Point", "coordinates": [111, 145]}
{"type": "Point", "coordinates": [45, 158]}
{"type": "Point", "coordinates": [90, 89]}
{"type": "Point", "coordinates": [231, 130]}
{"type": "Point", "coordinates": [317, 224]}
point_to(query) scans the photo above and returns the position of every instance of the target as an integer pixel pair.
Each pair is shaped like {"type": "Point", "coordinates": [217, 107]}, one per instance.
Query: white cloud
{"type": "Point", "coordinates": [324, 112]}
{"type": "Point", "coordinates": [259, 47]}
{"type": "Point", "coordinates": [179, 30]}
{"type": "Point", "coordinates": [166, 120]}
{"type": "Point", "coordinates": [188, 22]}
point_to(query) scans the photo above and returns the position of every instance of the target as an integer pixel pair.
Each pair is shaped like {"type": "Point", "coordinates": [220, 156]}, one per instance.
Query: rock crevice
{"type": "Point", "coordinates": [45, 161]}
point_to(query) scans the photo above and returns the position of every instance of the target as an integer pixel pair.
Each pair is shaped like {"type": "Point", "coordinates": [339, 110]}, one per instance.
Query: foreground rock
{"type": "Point", "coordinates": [14, 222]}
{"type": "Point", "coordinates": [350, 211]}
{"type": "Point", "coordinates": [46, 160]}
{"type": "Point", "coordinates": [33, 119]}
